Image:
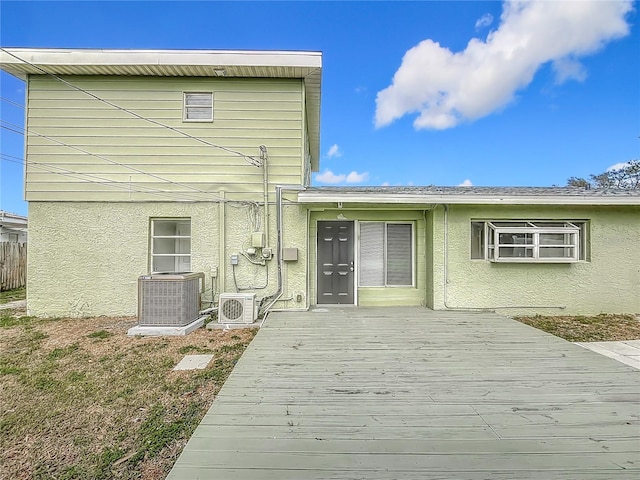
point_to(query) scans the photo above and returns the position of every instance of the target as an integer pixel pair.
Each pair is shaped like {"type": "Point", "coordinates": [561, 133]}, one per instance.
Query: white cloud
{"type": "Point", "coordinates": [618, 166]}
{"type": "Point", "coordinates": [385, 184]}
{"type": "Point", "coordinates": [360, 90]}
{"type": "Point", "coordinates": [355, 177]}
{"type": "Point", "coordinates": [334, 178]}
{"type": "Point", "coordinates": [334, 151]}
{"type": "Point", "coordinates": [484, 21]}
{"type": "Point", "coordinates": [329, 177]}
{"type": "Point", "coordinates": [466, 183]}
{"type": "Point", "coordinates": [569, 69]}
{"type": "Point", "coordinates": [445, 88]}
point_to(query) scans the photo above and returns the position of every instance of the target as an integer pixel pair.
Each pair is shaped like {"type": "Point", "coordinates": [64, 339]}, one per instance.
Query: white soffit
{"type": "Point", "coordinates": [277, 64]}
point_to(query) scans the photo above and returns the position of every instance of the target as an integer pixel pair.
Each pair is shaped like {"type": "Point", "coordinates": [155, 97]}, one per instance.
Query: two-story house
{"type": "Point", "coordinates": [153, 161]}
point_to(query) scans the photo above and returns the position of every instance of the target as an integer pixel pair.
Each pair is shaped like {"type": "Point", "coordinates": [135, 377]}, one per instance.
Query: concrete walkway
{"type": "Point", "coordinates": [14, 305]}
{"type": "Point", "coordinates": [372, 393]}
{"type": "Point", "coordinates": [627, 352]}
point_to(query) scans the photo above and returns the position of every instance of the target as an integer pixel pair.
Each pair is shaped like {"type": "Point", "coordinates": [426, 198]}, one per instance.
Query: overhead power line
{"type": "Point", "coordinates": [49, 168]}
{"type": "Point", "coordinates": [15, 104]}
{"type": "Point", "coordinates": [20, 130]}
{"type": "Point", "coordinates": [249, 159]}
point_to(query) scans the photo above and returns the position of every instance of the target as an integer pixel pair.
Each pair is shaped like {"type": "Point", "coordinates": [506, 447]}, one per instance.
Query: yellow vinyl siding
{"type": "Point", "coordinates": [160, 169]}
{"type": "Point", "coordinates": [247, 113]}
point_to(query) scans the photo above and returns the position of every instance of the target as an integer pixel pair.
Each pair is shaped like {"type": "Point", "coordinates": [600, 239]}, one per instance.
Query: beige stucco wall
{"type": "Point", "coordinates": [85, 258]}
{"type": "Point", "coordinates": [608, 282]}
{"type": "Point", "coordinates": [295, 280]}
{"type": "Point", "coordinates": [265, 278]}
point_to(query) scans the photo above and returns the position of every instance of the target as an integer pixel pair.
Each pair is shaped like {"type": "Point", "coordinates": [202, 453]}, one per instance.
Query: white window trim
{"type": "Point", "coordinates": [152, 237]}
{"type": "Point", "coordinates": [413, 254]}
{"type": "Point", "coordinates": [185, 108]}
{"type": "Point", "coordinates": [535, 228]}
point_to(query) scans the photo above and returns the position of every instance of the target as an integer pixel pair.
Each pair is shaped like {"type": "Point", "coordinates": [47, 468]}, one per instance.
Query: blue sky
{"type": "Point", "coordinates": [413, 93]}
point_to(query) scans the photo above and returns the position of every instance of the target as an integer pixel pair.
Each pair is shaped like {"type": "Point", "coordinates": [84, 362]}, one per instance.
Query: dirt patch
{"type": "Point", "coordinates": [82, 400]}
{"type": "Point", "coordinates": [579, 328]}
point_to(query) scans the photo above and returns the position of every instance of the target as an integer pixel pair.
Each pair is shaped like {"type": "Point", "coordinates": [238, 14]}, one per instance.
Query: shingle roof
{"type": "Point", "coordinates": [493, 191]}
{"type": "Point", "coordinates": [472, 195]}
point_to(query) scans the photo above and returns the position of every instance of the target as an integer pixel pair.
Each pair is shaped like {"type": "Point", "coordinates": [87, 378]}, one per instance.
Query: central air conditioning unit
{"type": "Point", "coordinates": [169, 299]}
{"type": "Point", "coordinates": [237, 308]}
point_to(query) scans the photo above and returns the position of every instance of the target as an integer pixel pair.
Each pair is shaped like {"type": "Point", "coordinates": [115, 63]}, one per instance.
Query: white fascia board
{"type": "Point", "coordinates": [70, 57]}
{"type": "Point", "coordinates": [14, 218]}
{"type": "Point", "coordinates": [307, 197]}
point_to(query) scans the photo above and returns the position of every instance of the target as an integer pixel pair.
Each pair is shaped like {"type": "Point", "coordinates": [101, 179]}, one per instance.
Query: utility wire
{"type": "Point", "coordinates": [81, 176]}
{"type": "Point", "coordinates": [123, 185]}
{"type": "Point", "coordinates": [149, 190]}
{"type": "Point", "coordinates": [20, 130]}
{"type": "Point", "coordinates": [249, 159]}
{"type": "Point", "coordinates": [15, 104]}
{"type": "Point", "coordinates": [262, 287]}
{"type": "Point", "coordinates": [21, 160]}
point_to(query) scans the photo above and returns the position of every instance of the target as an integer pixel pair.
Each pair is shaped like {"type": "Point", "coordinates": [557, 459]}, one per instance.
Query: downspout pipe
{"type": "Point", "coordinates": [446, 280]}
{"type": "Point", "coordinates": [222, 242]}
{"type": "Point", "coordinates": [264, 157]}
{"type": "Point", "coordinates": [279, 236]}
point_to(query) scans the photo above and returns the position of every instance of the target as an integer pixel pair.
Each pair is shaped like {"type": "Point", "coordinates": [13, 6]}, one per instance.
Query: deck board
{"type": "Point", "coordinates": [411, 393]}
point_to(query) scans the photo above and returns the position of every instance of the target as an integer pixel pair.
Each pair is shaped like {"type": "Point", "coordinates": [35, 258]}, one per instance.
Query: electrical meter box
{"type": "Point", "coordinates": [290, 254]}
{"type": "Point", "coordinates": [257, 240]}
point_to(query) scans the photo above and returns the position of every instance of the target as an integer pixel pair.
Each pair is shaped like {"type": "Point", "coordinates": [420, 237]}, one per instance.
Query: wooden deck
{"type": "Point", "coordinates": [376, 393]}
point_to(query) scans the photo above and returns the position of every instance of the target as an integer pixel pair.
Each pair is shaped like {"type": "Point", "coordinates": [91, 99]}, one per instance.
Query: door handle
{"type": "Point", "coordinates": [351, 267]}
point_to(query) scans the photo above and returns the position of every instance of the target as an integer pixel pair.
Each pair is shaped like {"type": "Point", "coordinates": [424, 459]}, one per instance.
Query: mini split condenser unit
{"type": "Point", "coordinates": [169, 299]}
{"type": "Point", "coordinates": [237, 308]}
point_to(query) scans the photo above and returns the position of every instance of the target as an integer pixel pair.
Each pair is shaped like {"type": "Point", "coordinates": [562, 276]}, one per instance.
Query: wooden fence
{"type": "Point", "coordinates": [13, 265]}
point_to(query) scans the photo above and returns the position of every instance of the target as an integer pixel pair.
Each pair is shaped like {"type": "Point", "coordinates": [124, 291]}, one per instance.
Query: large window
{"type": "Point", "coordinates": [386, 254]}
{"type": "Point", "coordinates": [529, 241]}
{"type": "Point", "coordinates": [170, 245]}
{"type": "Point", "coordinates": [198, 107]}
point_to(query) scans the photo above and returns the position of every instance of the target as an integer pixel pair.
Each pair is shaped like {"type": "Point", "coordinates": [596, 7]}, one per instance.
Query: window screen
{"type": "Point", "coordinates": [399, 255]}
{"type": "Point", "coordinates": [372, 254]}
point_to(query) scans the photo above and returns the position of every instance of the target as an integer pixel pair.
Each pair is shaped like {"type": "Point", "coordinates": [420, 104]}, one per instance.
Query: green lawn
{"type": "Point", "coordinates": [13, 295]}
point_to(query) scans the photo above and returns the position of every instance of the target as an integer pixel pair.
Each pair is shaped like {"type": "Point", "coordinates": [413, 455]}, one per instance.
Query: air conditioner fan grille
{"type": "Point", "coordinates": [232, 309]}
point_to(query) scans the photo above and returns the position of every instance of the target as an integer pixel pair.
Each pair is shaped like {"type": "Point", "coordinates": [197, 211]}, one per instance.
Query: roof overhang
{"type": "Point", "coordinates": [22, 62]}
{"type": "Point", "coordinates": [13, 220]}
{"type": "Point", "coordinates": [314, 197]}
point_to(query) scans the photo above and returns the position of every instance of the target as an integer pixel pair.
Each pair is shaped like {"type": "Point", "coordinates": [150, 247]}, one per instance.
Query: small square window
{"type": "Point", "coordinates": [170, 245]}
{"type": "Point", "coordinates": [198, 107]}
